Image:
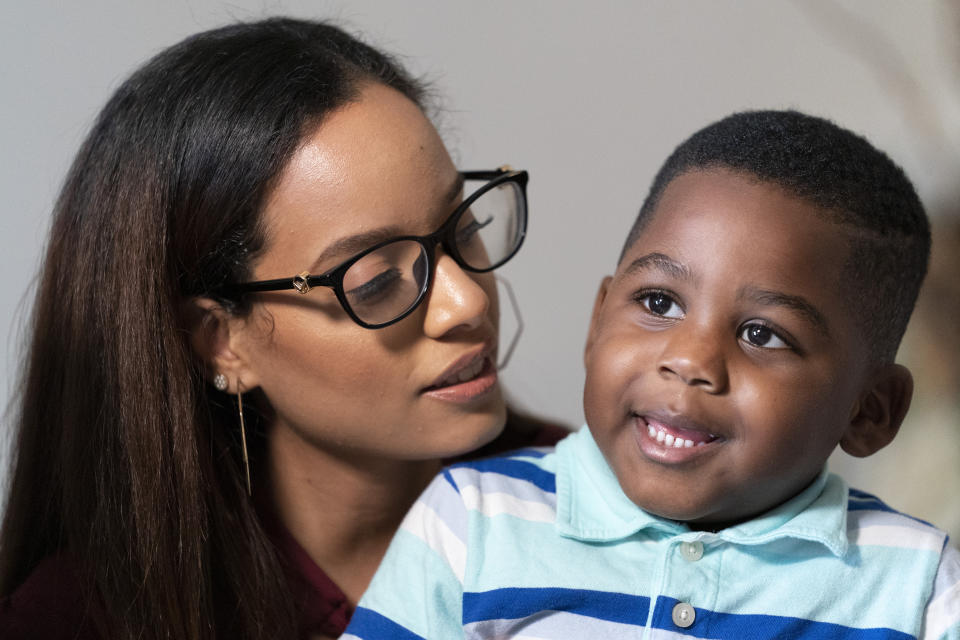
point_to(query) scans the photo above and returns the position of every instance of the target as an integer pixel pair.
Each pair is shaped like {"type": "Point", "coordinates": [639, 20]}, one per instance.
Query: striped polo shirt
{"type": "Point", "coordinates": [544, 544]}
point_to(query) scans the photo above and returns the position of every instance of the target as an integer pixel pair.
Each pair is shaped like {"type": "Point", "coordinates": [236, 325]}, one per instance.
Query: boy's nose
{"type": "Point", "coordinates": [694, 357]}
{"type": "Point", "coordinates": [456, 301]}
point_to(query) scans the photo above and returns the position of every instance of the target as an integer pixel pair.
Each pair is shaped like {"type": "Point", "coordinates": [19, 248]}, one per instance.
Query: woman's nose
{"type": "Point", "coordinates": [456, 301]}
{"type": "Point", "coordinates": [694, 356]}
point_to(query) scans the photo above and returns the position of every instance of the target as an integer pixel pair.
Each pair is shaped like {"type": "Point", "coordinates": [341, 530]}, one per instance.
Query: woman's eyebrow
{"type": "Point", "coordinates": [662, 262]}
{"type": "Point", "coordinates": [350, 245]}
{"type": "Point", "coordinates": [796, 303]}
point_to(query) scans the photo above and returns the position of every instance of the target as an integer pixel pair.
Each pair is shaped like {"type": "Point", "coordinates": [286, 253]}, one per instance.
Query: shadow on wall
{"type": "Point", "coordinates": [920, 472]}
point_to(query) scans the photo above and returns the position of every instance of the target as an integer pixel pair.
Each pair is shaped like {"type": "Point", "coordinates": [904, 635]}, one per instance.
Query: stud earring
{"type": "Point", "coordinates": [243, 436]}
{"type": "Point", "coordinates": [220, 382]}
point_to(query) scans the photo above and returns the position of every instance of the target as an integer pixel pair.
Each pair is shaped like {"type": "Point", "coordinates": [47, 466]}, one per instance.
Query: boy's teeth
{"type": "Point", "coordinates": [672, 441]}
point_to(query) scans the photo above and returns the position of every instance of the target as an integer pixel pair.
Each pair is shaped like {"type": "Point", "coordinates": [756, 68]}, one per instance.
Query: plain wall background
{"type": "Point", "coordinates": [589, 97]}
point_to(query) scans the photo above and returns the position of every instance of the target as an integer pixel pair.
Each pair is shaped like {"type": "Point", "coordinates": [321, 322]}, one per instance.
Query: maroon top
{"type": "Point", "coordinates": [51, 605]}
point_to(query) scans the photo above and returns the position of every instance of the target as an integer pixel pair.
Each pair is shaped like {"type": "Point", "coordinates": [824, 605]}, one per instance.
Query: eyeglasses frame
{"type": "Point", "coordinates": [444, 236]}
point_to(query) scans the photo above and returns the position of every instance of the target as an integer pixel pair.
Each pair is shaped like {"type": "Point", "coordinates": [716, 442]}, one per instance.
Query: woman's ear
{"type": "Point", "coordinates": [214, 336]}
{"type": "Point", "coordinates": [878, 415]}
{"type": "Point", "coordinates": [595, 315]}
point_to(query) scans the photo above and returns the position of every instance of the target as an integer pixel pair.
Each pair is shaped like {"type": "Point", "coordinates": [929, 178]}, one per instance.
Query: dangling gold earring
{"type": "Point", "coordinates": [243, 435]}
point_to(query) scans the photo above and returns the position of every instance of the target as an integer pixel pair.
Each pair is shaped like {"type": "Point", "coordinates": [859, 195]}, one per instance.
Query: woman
{"type": "Point", "coordinates": [248, 353]}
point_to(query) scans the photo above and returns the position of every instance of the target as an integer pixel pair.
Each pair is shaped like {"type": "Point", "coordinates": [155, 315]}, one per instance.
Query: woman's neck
{"type": "Point", "coordinates": [342, 510]}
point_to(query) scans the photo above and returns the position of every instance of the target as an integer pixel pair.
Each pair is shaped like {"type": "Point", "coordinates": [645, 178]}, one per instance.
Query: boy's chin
{"type": "Point", "coordinates": [697, 522]}
{"type": "Point", "coordinates": [709, 515]}
{"type": "Point", "coordinates": [704, 512]}
{"type": "Point", "coordinates": [690, 517]}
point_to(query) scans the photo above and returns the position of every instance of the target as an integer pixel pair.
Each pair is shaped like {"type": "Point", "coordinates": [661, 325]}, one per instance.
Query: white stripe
{"type": "Point", "coordinates": [664, 634]}
{"type": "Point", "coordinates": [863, 519]}
{"type": "Point", "coordinates": [942, 613]}
{"type": "Point", "coordinates": [653, 634]}
{"type": "Point", "coordinates": [493, 504]}
{"type": "Point", "coordinates": [901, 537]}
{"type": "Point", "coordinates": [551, 625]}
{"type": "Point", "coordinates": [424, 523]}
{"type": "Point", "coordinates": [948, 573]}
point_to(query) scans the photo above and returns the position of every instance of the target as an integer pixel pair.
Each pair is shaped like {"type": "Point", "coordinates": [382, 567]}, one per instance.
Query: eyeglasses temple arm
{"type": "Point", "coordinates": [278, 284]}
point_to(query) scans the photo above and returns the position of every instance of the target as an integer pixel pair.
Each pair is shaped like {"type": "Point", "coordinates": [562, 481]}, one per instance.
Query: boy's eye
{"type": "Point", "coordinates": [760, 335]}
{"type": "Point", "coordinates": [661, 304]}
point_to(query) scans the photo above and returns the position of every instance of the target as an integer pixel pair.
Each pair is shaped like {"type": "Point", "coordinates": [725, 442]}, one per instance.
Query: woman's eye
{"type": "Point", "coordinates": [376, 288]}
{"type": "Point", "coordinates": [660, 304]}
{"type": "Point", "coordinates": [760, 335]}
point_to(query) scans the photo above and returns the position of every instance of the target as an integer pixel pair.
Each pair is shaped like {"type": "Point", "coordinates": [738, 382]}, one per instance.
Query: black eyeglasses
{"type": "Point", "coordinates": [385, 283]}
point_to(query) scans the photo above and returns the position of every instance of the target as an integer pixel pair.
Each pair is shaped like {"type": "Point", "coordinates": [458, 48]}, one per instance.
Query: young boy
{"type": "Point", "coordinates": [749, 329]}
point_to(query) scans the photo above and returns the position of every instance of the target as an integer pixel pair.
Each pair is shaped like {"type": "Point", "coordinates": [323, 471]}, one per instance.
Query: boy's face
{"type": "Point", "coordinates": [722, 364]}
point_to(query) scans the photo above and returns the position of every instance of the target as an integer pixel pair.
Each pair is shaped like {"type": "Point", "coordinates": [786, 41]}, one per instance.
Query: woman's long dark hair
{"type": "Point", "coordinates": [123, 459]}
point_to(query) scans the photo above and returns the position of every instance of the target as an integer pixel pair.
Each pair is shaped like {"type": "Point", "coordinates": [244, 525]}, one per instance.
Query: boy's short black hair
{"type": "Point", "coordinates": [853, 183]}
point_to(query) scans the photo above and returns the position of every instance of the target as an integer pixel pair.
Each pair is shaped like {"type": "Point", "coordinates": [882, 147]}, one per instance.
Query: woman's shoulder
{"type": "Point", "coordinates": [49, 604]}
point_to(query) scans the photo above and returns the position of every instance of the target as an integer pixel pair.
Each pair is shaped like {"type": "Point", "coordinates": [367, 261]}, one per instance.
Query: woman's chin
{"type": "Point", "coordinates": [469, 433]}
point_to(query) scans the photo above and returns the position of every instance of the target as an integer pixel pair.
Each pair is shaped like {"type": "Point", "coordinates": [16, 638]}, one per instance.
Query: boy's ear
{"type": "Point", "coordinates": [880, 411]}
{"type": "Point", "coordinates": [214, 334]}
{"type": "Point", "coordinates": [594, 316]}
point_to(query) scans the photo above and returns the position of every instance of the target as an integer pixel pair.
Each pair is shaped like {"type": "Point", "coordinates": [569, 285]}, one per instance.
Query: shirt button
{"type": "Point", "coordinates": [683, 615]}
{"type": "Point", "coordinates": [691, 551]}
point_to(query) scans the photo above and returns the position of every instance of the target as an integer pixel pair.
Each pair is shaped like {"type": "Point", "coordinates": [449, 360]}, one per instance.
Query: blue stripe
{"type": "Point", "coordinates": [370, 625]}
{"type": "Point", "coordinates": [449, 478]}
{"type": "Point", "coordinates": [857, 493]}
{"type": "Point", "coordinates": [870, 505]}
{"type": "Point", "coordinates": [513, 603]}
{"type": "Point", "coordinates": [732, 626]}
{"type": "Point", "coordinates": [867, 502]}
{"type": "Point", "coordinates": [518, 469]}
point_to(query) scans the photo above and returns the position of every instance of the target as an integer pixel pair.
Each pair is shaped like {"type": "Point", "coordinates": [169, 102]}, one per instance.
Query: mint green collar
{"type": "Point", "coordinates": [591, 506]}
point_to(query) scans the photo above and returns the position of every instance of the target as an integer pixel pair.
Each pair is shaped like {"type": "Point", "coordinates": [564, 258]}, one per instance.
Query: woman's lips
{"type": "Point", "coordinates": [467, 378]}
{"type": "Point", "coordinates": [673, 439]}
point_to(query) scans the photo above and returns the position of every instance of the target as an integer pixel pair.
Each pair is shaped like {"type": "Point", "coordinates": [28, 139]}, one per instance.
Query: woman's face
{"type": "Point", "coordinates": [423, 388]}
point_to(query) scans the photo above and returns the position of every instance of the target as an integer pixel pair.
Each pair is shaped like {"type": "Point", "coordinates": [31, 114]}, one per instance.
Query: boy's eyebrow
{"type": "Point", "coordinates": [796, 303]}
{"type": "Point", "coordinates": [661, 261]}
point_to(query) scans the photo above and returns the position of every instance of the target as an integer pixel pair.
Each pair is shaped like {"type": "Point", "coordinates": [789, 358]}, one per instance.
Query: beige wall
{"type": "Point", "coordinates": [589, 97]}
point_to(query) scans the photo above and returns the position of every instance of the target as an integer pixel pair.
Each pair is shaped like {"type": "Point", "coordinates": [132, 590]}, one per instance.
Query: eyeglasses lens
{"type": "Point", "coordinates": [490, 230]}
{"type": "Point", "coordinates": [386, 283]}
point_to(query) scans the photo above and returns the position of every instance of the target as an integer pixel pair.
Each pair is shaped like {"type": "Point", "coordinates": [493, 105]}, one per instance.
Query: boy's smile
{"type": "Point", "coordinates": [723, 364]}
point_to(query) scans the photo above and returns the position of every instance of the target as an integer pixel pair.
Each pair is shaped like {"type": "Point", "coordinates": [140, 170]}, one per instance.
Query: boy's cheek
{"type": "Point", "coordinates": [618, 351]}
{"type": "Point", "coordinates": [614, 364]}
